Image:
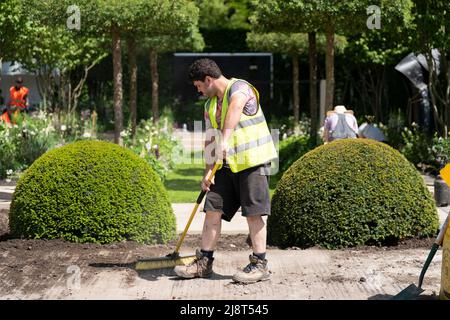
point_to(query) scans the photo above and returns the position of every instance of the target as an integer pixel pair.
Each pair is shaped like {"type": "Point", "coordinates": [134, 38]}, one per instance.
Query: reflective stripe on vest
{"type": "Point", "coordinates": [249, 122]}
{"type": "Point", "coordinates": [250, 143]}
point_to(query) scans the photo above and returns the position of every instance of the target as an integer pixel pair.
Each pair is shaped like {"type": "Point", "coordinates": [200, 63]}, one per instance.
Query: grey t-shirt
{"type": "Point", "coordinates": [239, 87]}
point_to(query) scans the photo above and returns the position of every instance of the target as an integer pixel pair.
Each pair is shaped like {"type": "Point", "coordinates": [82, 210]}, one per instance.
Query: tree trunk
{"type": "Point", "coordinates": [42, 83]}
{"type": "Point", "coordinates": [329, 66]}
{"type": "Point", "coordinates": [379, 94]}
{"type": "Point", "coordinates": [118, 91]}
{"type": "Point", "coordinates": [296, 91]}
{"type": "Point", "coordinates": [79, 87]}
{"type": "Point", "coordinates": [133, 84]}
{"type": "Point", "coordinates": [40, 90]}
{"type": "Point", "coordinates": [432, 82]}
{"type": "Point", "coordinates": [439, 92]}
{"type": "Point", "coordinates": [155, 80]}
{"type": "Point", "coordinates": [361, 84]}
{"type": "Point", "coordinates": [372, 89]}
{"type": "Point", "coordinates": [62, 91]}
{"type": "Point", "coordinates": [313, 84]}
{"type": "Point", "coordinates": [69, 105]}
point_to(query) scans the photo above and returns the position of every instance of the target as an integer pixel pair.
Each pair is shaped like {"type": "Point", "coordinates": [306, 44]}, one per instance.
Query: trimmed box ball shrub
{"type": "Point", "coordinates": [291, 149]}
{"type": "Point", "coordinates": [350, 192]}
{"type": "Point", "coordinates": [92, 191]}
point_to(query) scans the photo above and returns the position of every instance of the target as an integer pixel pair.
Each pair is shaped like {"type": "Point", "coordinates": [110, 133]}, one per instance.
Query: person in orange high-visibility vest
{"type": "Point", "coordinates": [4, 116]}
{"type": "Point", "coordinates": [18, 98]}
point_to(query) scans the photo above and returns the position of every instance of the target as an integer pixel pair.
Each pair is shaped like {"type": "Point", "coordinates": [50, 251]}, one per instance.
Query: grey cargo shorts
{"type": "Point", "coordinates": [248, 189]}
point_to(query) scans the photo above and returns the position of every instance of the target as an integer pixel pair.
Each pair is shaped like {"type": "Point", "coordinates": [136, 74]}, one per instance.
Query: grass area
{"type": "Point", "coordinates": [183, 184]}
{"type": "Point", "coordinates": [273, 180]}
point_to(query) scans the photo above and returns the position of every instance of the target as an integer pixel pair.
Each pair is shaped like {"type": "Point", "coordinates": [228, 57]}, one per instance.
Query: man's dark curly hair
{"type": "Point", "coordinates": [202, 68]}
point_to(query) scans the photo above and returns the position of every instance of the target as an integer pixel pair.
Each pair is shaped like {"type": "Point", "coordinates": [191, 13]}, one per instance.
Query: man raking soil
{"type": "Point", "coordinates": [243, 142]}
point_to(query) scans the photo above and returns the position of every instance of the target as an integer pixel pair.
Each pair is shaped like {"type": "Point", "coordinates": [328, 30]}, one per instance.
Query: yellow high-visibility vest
{"type": "Point", "coordinates": [251, 143]}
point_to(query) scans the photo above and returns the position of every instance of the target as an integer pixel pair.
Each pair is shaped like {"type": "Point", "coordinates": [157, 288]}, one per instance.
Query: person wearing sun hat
{"type": "Point", "coordinates": [340, 124]}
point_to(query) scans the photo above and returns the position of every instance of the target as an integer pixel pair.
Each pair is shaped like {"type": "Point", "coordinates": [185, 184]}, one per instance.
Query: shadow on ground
{"type": "Point", "coordinates": [153, 275]}
{"type": "Point", "coordinates": [389, 297]}
{"type": "Point", "coordinates": [7, 196]}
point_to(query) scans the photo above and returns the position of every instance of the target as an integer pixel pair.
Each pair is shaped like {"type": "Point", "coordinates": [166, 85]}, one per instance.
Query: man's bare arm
{"type": "Point", "coordinates": [208, 164]}
{"type": "Point", "coordinates": [235, 108]}
{"type": "Point", "coordinates": [209, 141]}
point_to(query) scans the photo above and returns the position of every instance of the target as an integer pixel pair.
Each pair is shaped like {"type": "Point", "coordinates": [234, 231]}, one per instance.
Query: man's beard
{"type": "Point", "coordinates": [210, 92]}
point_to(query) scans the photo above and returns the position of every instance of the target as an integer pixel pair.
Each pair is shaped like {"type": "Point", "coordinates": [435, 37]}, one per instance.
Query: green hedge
{"type": "Point", "coordinates": [92, 191]}
{"type": "Point", "coordinates": [350, 192]}
{"type": "Point", "coordinates": [291, 149]}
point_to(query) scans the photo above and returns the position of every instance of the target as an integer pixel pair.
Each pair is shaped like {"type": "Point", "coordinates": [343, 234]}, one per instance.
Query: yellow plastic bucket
{"type": "Point", "coordinates": [445, 273]}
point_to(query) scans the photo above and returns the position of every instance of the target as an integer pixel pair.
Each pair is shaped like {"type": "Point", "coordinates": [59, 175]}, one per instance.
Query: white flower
{"type": "Point", "coordinates": [123, 134]}
{"type": "Point", "coordinates": [141, 141]}
{"type": "Point", "coordinates": [9, 172]}
{"type": "Point", "coordinates": [33, 133]}
{"type": "Point", "coordinates": [63, 128]}
{"type": "Point", "coordinates": [147, 128]}
{"type": "Point", "coordinates": [49, 129]}
{"type": "Point", "coordinates": [41, 115]}
{"type": "Point", "coordinates": [148, 146]}
{"type": "Point", "coordinates": [86, 135]}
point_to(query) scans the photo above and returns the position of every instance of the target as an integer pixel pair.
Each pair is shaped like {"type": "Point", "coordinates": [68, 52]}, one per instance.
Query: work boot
{"type": "Point", "coordinates": [255, 271]}
{"type": "Point", "coordinates": [201, 267]}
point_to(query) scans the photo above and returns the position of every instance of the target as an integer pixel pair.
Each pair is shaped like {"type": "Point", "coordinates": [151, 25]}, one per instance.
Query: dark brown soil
{"type": "Point", "coordinates": [412, 243]}
{"type": "Point", "coordinates": [48, 259]}
{"type": "Point", "coordinates": [33, 264]}
{"type": "Point", "coordinates": [227, 242]}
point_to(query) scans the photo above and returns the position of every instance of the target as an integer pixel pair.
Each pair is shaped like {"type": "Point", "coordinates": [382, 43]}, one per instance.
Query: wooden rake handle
{"type": "Point", "coordinates": [211, 174]}
{"type": "Point", "coordinates": [440, 237]}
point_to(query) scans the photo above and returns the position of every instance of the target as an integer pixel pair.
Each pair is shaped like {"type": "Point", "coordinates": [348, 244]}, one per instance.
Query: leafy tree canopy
{"type": "Point", "coordinates": [291, 43]}
{"type": "Point", "coordinates": [219, 14]}
{"type": "Point", "coordinates": [14, 28]}
{"type": "Point", "coordinates": [140, 17]}
{"type": "Point", "coordinates": [432, 24]}
{"type": "Point", "coordinates": [348, 17]}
